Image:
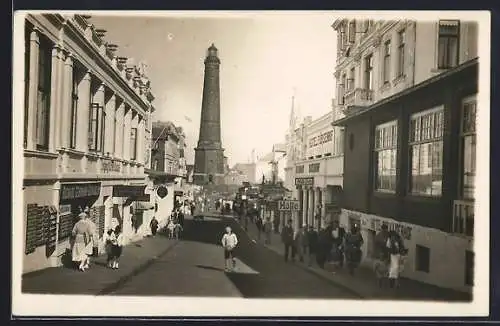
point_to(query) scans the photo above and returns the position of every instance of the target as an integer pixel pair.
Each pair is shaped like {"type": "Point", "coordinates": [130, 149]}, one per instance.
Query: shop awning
{"type": "Point", "coordinates": [140, 205]}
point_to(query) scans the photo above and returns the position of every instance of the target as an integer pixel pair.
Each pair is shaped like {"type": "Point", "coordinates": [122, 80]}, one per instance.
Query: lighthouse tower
{"type": "Point", "coordinates": [209, 154]}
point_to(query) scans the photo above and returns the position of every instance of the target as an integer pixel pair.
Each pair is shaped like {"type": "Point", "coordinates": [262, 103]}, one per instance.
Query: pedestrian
{"type": "Point", "coordinates": [311, 243]}
{"type": "Point", "coordinates": [337, 238]}
{"type": "Point", "coordinates": [193, 208]}
{"type": "Point", "coordinates": [117, 247]}
{"type": "Point", "coordinates": [92, 248]}
{"type": "Point", "coordinates": [108, 239]}
{"type": "Point", "coordinates": [287, 238]}
{"type": "Point", "coordinates": [353, 241]}
{"type": "Point", "coordinates": [171, 228]}
{"type": "Point", "coordinates": [267, 230]}
{"type": "Point", "coordinates": [80, 240]}
{"type": "Point", "coordinates": [381, 253]}
{"type": "Point", "coordinates": [323, 246]}
{"type": "Point", "coordinates": [154, 226]}
{"type": "Point", "coordinates": [298, 243]}
{"type": "Point", "coordinates": [177, 230]}
{"type": "Point", "coordinates": [396, 249]}
{"type": "Point", "coordinates": [260, 226]}
{"type": "Point", "coordinates": [180, 217]}
{"type": "Point", "coordinates": [229, 242]}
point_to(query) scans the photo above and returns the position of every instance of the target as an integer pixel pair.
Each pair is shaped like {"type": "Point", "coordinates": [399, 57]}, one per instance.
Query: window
{"type": "Point", "coordinates": [342, 90]}
{"type": "Point", "coordinates": [338, 142]}
{"type": "Point", "coordinates": [299, 169]}
{"type": "Point", "coordinates": [426, 152]}
{"type": "Point", "coordinates": [386, 142]}
{"type": "Point", "coordinates": [449, 31]}
{"type": "Point", "coordinates": [468, 138]}
{"type": "Point", "coordinates": [401, 52]}
{"type": "Point", "coordinates": [314, 168]}
{"type": "Point", "coordinates": [469, 268]}
{"type": "Point", "coordinates": [387, 62]}
{"type": "Point", "coordinates": [422, 259]}
{"type": "Point", "coordinates": [133, 143]}
{"type": "Point", "coordinates": [350, 80]}
{"type": "Point", "coordinates": [27, 43]}
{"type": "Point", "coordinates": [369, 72]}
{"type": "Point", "coordinates": [96, 127]}
{"type": "Point", "coordinates": [43, 96]}
{"type": "Point", "coordinates": [74, 107]}
{"type": "Point", "coordinates": [156, 164]}
{"type": "Point", "coordinates": [343, 37]}
{"type": "Point", "coordinates": [352, 31]}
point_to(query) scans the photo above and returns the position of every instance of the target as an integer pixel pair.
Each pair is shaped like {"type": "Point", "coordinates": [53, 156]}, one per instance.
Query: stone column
{"type": "Point", "coordinates": [141, 134]}
{"type": "Point", "coordinates": [30, 120]}
{"type": "Point", "coordinates": [305, 205]}
{"type": "Point", "coordinates": [99, 97]}
{"type": "Point", "coordinates": [324, 193]}
{"type": "Point", "coordinates": [317, 209]}
{"type": "Point", "coordinates": [82, 130]}
{"type": "Point", "coordinates": [67, 103]}
{"type": "Point", "coordinates": [109, 131]}
{"type": "Point", "coordinates": [310, 213]}
{"type": "Point", "coordinates": [119, 121]}
{"type": "Point", "coordinates": [126, 134]}
{"type": "Point", "coordinates": [55, 92]}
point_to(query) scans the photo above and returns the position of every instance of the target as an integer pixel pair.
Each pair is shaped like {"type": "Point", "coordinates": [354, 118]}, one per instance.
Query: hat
{"type": "Point", "coordinates": [86, 210]}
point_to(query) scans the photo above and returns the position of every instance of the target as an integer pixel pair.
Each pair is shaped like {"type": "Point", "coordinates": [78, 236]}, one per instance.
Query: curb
{"type": "Point", "coordinates": [139, 269]}
{"type": "Point", "coordinates": [324, 277]}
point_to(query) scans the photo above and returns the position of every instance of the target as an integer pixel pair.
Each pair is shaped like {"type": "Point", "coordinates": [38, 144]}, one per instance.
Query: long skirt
{"type": "Point", "coordinates": [79, 252]}
{"type": "Point", "coordinates": [394, 266]}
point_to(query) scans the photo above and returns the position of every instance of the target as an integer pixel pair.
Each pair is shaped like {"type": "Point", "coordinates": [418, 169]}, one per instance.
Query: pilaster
{"type": "Point", "coordinates": [65, 131]}
{"type": "Point", "coordinates": [82, 129]}
{"type": "Point", "coordinates": [55, 91]}
{"type": "Point", "coordinates": [119, 122]}
{"type": "Point", "coordinates": [32, 89]}
{"type": "Point", "coordinates": [109, 132]}
{"type": "Point", "coordinates": [126, 133]}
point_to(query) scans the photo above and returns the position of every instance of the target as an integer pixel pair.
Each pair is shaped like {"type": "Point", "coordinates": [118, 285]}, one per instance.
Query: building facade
{"type": "Point", "coordinates": [168, 170]}
{"type": "Point", "coordinates": [318, 174]}
{"type": "Point", "coordinates": [412, 114]}
{"type": "Point", "coordinates": [86, 112]}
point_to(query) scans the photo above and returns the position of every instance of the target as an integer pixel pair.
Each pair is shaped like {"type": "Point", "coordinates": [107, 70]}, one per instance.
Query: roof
{"type": "Point", "coordinates": [363, 110]}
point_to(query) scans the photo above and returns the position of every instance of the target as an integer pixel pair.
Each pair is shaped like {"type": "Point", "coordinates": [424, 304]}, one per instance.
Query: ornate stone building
{"type": "Point", "coordinates": [86, 123]}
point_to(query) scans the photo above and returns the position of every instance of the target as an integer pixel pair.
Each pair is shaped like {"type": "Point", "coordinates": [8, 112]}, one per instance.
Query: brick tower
{"type": "Point", "coordinates": [209, 154]}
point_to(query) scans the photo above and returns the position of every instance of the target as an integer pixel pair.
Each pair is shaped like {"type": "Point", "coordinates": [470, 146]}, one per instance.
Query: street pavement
{"type": "Point", "coordinates": [192, 266]}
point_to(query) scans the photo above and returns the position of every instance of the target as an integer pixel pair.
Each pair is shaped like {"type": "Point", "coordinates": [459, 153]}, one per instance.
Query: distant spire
{"type": "Point", "coordinates": [293, 114]}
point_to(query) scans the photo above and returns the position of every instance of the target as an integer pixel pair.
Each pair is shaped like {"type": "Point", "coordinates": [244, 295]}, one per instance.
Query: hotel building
{"type": "Point", "coordinates": [407, 100]}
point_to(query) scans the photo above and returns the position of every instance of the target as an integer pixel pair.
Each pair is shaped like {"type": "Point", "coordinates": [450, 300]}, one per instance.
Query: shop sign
{"type": "Point", "coordinates": [332, 208]}
{"type": "Point", "coordinates": [64, 209]}
{"type": "Point", "coordinates": [271, 205]}
{"type": "Point", "coordinates": [321, 139]}
{"type": "Point", "coordinates": [80, 190]}
{"type": "Point", "coordinates": [110, 166]}
{"type": "Point", "coordinates": [304, 181]}
{"type": "Point", "coordinates": [288, 205]}
{"type": "Point", "coordinates": [128, 191]}
{"type": "Point", "coordinates": [373, 223]}
{"type": "Point", "coordinates": [162, 191]}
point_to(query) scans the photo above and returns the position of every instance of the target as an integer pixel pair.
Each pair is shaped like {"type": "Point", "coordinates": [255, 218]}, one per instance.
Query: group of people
{"type": "Point", "coordinates": [84, 240]}
{"type": "Point", "coordinates": [113, 240]}
{"type": "Point", "coordinates": [175, 224]}
{"type": "Point", "coordinates": [389, 252]}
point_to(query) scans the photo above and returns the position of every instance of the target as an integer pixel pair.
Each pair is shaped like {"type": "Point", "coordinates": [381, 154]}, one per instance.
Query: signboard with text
{"type": "Point", "coordinates": [304, 181]}
{"type": "Point", "coordinates": [288, 205]}
{"type": "Point", "coordinates": [71, 191]}
{"type": "Point", "coordinates": [128, 191]}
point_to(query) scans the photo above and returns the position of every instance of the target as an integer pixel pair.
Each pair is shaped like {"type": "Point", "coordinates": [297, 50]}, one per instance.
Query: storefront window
{"type": "Point", "coordinates": [426, 152]}
{"type": "Point", "coordinates": [468, 134]}
{"type": "Point", "coordinates": [386, 141]}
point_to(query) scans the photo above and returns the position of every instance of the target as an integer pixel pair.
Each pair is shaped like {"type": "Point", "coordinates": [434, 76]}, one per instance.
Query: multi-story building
{"type": "Point", "coordinates": [408, 105]}
{"type": "Point", "coordinates": [168, 168]}
{"type": "Point", "coordinates": [84, 135]}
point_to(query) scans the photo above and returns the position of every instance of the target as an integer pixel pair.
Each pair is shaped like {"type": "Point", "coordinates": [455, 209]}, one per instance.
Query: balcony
{"type": "Point", "coordinates": [463, 217]}
{"type": "Point", "coordinates": [358, 97]}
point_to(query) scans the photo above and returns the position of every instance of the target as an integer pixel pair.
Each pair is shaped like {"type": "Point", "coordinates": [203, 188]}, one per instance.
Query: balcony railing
{"type": "Point", "coordinates": [463, 217]}
{"type": "Point", "coordinates": [358, 97]}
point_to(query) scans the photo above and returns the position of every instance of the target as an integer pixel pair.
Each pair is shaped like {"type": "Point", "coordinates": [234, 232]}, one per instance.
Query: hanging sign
{"type": "Point", "coordinates": [162, 192]}
{"type": "Point", "coordinates": [288, 205]}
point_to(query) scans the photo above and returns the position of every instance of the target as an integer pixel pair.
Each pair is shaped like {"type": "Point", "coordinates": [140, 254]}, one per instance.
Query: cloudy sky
{"type": "Point", "coordinates": [264, 58]}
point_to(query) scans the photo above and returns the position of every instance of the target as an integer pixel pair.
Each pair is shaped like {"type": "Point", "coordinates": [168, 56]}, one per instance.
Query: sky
{"type": "Point", "coordinates": [265, 60]}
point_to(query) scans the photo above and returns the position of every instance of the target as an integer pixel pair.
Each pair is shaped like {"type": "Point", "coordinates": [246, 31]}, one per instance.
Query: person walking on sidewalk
{"type": "Point", "coordinates": [382, 257]}
{"type": "Point", "coordinates": [396, 249]}
{"type": "Point", "coordinates": [299, 243]}
{"type": "Point", "coordinates": [80, 240]}
{"type": "Point", "coordinates": [311, 243]}
{"type": "Point", "coordinates": [154, 226]}
{"type": "Point", "coordinates": [108, 239]}
{"type": "Point", "coordinates": [260, 226]}
{"type": "Point", "coordinates": [353, 242]}
{"type": "Point", "coordinates": [117, 247]}
{"type": "Point", "coordinates": [229, 242]}
{"type": "Point", "coordinates": [337, 234]}
{"type": "Point", "coordinates": [267, 231]}
{"type": "Point", "coordinates": [323, 248]}
{"type": "Point", "coordinates": [92, 246]}
{"type": "Point", "coordinates": [287, 238]}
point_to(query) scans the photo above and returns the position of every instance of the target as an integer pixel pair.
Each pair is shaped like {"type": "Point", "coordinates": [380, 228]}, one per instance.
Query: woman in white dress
{"type": "Point", "coordinates": [81, 239]}
{"type": "Point", "coordinates": [395, 247]}
{"type": "Point", "coordinates": [93, 238]}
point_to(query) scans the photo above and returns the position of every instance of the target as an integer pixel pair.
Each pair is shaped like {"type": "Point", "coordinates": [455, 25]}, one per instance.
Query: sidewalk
{"type": "Point", "coordinates": [364, 282]}
{"type": "Point", "coordinates": [99, 279]}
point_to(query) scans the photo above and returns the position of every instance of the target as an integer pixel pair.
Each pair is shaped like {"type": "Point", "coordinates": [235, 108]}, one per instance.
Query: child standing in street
{"type": "Point", "coordinates": [109, 237]}
{"type": "Point", "coordinates": [117, 247]}
{"type": "Point", "coordinates": [229, 242]}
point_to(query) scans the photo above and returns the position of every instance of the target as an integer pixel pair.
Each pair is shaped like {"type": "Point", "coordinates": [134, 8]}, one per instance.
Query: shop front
{"type": "Point", "coordinates": [73, 198]}
{"type": "Point", "coordinates": [130, 203]}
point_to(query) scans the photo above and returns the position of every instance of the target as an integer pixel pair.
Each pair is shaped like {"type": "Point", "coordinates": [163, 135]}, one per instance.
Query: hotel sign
{"type": "Point", "coordinates": [304, 181]}
{"type": "Point", "coordinates": [128, 191]}
{"type": "Point", "coordinates": [321, 139]}
{"type": "Point", "coordinates": [80, 190]}
{"type": "Point", "coordinates": [288, 205]}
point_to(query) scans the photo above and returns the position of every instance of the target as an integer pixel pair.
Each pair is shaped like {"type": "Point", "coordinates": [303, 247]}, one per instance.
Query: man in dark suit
{"type": "Point", "coordinates": [338, 234]}
{"type": "Point", "coordinates": [287, 237]}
